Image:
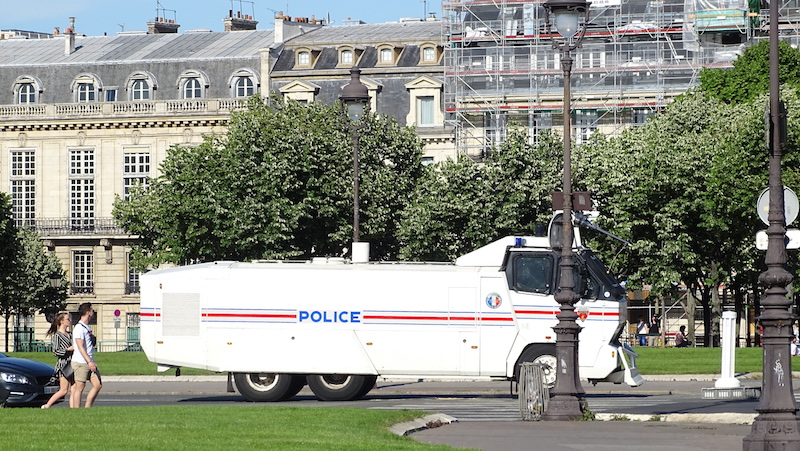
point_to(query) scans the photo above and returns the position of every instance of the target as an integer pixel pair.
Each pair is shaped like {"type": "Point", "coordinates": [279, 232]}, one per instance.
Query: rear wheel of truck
{"type": "Point", "coordinates": [268, 387]}
{"type": "Point", "coordinates": [340, 387]}
{"type": "Point", "coordinates": [542, 353]}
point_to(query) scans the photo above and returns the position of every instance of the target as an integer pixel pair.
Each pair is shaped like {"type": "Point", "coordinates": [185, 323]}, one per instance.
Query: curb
{"type": "Point", "coordinates": [427, 422]}
{"type": "Point", "coordinates": [716, 418]}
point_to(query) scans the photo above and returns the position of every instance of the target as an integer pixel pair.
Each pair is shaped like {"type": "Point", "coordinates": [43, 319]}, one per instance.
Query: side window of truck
{"type": "Point", "coordinates": [533, 273]}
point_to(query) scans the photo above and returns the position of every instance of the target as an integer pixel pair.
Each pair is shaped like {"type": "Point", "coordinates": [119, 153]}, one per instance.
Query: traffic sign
{"type": "Point", "coordinates": [792, 239]}
{"type": "Point", "coordinates": [791, 206]}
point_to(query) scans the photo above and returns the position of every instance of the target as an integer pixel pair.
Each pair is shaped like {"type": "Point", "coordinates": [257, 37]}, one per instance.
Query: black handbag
{"type": "Point", "coordinates": [67, 372]}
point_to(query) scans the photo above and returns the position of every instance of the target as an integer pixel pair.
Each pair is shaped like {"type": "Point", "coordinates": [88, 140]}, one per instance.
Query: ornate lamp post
{"type": "Point", "coordinates": [776, 426]}
{"type": "Point", "coordinates": [569, 19]}
{"type": "Point", "coordinates": [355, 97]}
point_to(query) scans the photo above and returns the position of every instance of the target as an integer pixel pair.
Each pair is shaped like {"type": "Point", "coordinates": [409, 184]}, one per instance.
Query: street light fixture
{"type": "Point", "coordinates": [355, 97]}
{"type": "Point", "coordinates": [55, 279]}
{"type": "Point", "coordinates": [569, 19]}
{"type": "Point", "coordinates": [776, 426]}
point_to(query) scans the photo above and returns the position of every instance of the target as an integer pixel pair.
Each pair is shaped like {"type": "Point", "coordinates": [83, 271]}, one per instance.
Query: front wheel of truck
{"type": "Point", "coordinates": [268, 387]}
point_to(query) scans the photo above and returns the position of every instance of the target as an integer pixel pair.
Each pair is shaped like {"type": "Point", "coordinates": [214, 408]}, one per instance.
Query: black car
{"type": "Point", "coordinates": [25, 382]}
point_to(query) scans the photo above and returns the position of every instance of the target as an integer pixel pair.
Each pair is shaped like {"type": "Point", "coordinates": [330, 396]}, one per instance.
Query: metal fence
{"type": "Point", "coordinates": [533, 392]}
{"type": "Point", "coordinates": [102, 346]}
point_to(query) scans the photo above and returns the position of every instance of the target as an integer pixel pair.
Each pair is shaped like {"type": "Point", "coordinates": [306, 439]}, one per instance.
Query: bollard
{"type": "Point", "coordinates": [728, 326]}
{"type": "Point", "coordinates": [533, 393]}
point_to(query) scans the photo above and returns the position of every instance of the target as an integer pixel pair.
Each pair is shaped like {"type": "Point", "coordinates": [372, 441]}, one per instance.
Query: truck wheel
{"type": "Point", "coordinates": [540, 354]}
{"type": "Point", "coordinates": [267, 387]}
{"type": "Point", "coordinates": [340, 387]}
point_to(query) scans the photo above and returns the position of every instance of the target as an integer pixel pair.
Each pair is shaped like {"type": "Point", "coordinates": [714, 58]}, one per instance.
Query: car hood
{"type": "Point", "coordinates": [22, 366]}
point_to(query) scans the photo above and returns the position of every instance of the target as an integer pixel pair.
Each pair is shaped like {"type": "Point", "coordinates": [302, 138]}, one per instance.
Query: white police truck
{"type": "Point", "coordinates": [338, 326]}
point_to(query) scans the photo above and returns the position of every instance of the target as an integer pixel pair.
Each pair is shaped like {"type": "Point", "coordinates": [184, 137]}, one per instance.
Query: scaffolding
{"type": "Point", "coordinates": [501, 70]}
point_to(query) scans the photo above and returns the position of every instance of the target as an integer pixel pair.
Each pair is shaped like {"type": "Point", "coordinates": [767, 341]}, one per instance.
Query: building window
{"type": "Point", "coordinates": [135, 171]}
{"type": "Point", "coordinates": [82, 272]}
{"type": "Point", "coordinates": [244, 87]}
{"type": "Point", "coordinates": [428, 54]}
{"type": "Point", "coordinates": [132, 325]}
{"type": "Point", "coordinates": [347, 57]}
{"type": "Point", "coordinates": [192, 89]}
{"type": "Point", "coordinates": [304, 58]}
{"type": "Point", "coordinates": [132, 285]}
{"type": "Point", "coordinates": [386, 56]}
{"type": "Point", "coordinates": [111, 95]}
{"type": "Point", "coordinates": [86, 92]}
{"type": "Point", "coordinates": [140, 90]}
{"type": "Point", "coordinates": [640, 115]}
{"type": "Point", "coordinates": [425, 111]}
{"type": "Point", "coordinates": [27, 90]}
{"type": "Point", "coordinates": [26, 94]}
{"type": "Point", "coordinates": [23, 187]}
{"type": "Point", "coordinates": [81, 189]}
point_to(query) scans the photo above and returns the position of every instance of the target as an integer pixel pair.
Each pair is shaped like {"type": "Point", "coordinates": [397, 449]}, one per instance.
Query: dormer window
{"type": "Point", "coordinates": [429, 54]}
{"type": "Point", "coordinates": [86, 88]}
{"type": "Point", "coordinates": [140, 90]}
{"type": "Point", "coordinates": [141, 86]}
{"type": "Point", "coordinates": [346, 57]}
{"type": "Point", "coordinates": [243, 83]}
{"type": "Point", "coordinates": [192, 85]}
{"type": "Point", "coordinates": [26, 93]}
{"type": "Point", "coordinates": [386, 56]}
{"type": "Point", "coordinates": [304, 58]}
{"type": "Point", "coordinates": [86, 93]}
{"type": "Point", "coordinates": [27, 90]}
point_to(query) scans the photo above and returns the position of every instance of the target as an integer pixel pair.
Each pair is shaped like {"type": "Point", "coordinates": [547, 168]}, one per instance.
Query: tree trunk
{"type": "Point", "coordinates": [716, 305]}
{"type": "Point", "coordinates": [705, 301]}
{"type": "Point", "coordinates": [6, 319]}
{"type": "Point", "coordinates": [691, 308]}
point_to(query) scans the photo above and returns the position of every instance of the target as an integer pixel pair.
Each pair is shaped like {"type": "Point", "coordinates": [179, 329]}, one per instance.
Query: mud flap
{"type": "Point", "coordinates": [632, 376]}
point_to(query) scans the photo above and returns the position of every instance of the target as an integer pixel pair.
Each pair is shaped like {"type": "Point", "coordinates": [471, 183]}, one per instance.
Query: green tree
{"type": "Point", "coordinates": [682, 188]}
{"type": "Point", "coordinates": [749, 77]}
{"type": "Point", "coordinates": [463, 205]}
{"type": "Point", "coordinates": [277, 185]}
{"type": "Point", "coordinates": [454, 212]}
{"type": "Point", "coordinates": [25, 270]}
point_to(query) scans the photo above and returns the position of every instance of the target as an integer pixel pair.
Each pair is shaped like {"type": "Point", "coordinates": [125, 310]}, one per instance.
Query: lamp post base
{"type": "Point", "coordinates": [774, 431]}
{"type": "Point", "coordinates": [566, 407]}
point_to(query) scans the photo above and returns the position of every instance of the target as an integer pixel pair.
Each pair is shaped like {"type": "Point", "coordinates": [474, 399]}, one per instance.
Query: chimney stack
{"type": "Point", "coordinates": [69, 38]}
{"type": "Point", "coordinates": [162, 25]}
{"type": "Point", "coordinates": [239, 22]}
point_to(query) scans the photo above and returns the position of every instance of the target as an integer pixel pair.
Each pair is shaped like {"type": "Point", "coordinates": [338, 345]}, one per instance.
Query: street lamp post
{"type": "Point", "coordinates": [569, 18]}
{"type": "Point", "coordinates": [355, 97]}
{"type": "Point", "coordinates": [776, 427]}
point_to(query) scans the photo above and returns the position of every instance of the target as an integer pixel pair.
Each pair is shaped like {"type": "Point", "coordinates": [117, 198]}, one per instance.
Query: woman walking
{"type": "Point", "coordinates": [62, 348]}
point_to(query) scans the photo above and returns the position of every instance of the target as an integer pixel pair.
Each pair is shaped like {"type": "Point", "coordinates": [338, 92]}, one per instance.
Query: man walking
{"type": "Point", "coordinates": [84, 341]}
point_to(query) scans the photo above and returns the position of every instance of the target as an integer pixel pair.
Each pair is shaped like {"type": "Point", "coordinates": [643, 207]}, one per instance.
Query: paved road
{"type": "Point", "coordinates": [488, 415]}
{"type": "Point", "coordinates": [466, 401]}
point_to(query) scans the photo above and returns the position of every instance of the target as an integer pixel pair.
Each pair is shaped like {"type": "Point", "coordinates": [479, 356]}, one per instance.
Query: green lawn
{"type": "Point", "coordinates": [698, 360]}
{"type": "Point", "coordinates": [245, 427]}
{"type": "Point", "coordinates": [651, 361]}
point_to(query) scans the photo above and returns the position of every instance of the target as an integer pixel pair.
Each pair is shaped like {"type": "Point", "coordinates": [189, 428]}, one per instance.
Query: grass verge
{"type": "Point", "coordinates": [209, 427]}
{"type": "Point", "coordinates": [651, 361]}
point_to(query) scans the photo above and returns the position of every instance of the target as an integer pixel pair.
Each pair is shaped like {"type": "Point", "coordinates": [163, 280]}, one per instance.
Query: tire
{"type": "Point", "coordinates": [340, 387]}
{"type": "Point", "coordinates": [268, 387]}
{"type": "Point", "coordinates": [540, 353]}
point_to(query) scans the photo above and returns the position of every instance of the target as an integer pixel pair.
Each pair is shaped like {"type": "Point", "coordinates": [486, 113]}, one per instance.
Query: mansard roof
{"type": "Point", "coordinates": [130, 48]}
{"type": "Point", "coordinates": [375, 34]}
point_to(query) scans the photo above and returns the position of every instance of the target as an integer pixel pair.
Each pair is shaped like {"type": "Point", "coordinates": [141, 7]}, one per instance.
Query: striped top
{"type": "Point", "coordinates": [60, 344]}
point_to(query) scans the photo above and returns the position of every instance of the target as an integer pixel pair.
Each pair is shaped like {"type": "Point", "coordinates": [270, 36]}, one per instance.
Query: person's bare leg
{"type": "Point", "coordinates": [96, 386]}
{"type": "Point", "coordinates": [77, 392]}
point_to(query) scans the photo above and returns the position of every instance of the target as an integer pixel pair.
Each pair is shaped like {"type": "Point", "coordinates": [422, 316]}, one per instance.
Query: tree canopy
{"type": "Point", "coordinates": [749, 77]}
{"type": "Point", "coordinates": [278, 184]}
{"type": "Point", "coordinates": [25, 269]}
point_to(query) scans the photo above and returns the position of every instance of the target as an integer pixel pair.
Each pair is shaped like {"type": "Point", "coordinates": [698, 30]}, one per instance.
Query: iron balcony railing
{"type": "Point", "coordinates": [72, 226]}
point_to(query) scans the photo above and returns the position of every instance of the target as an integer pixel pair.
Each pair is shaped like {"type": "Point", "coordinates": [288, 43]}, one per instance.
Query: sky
{"type": "Point", "coordinates": [96, 17]}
